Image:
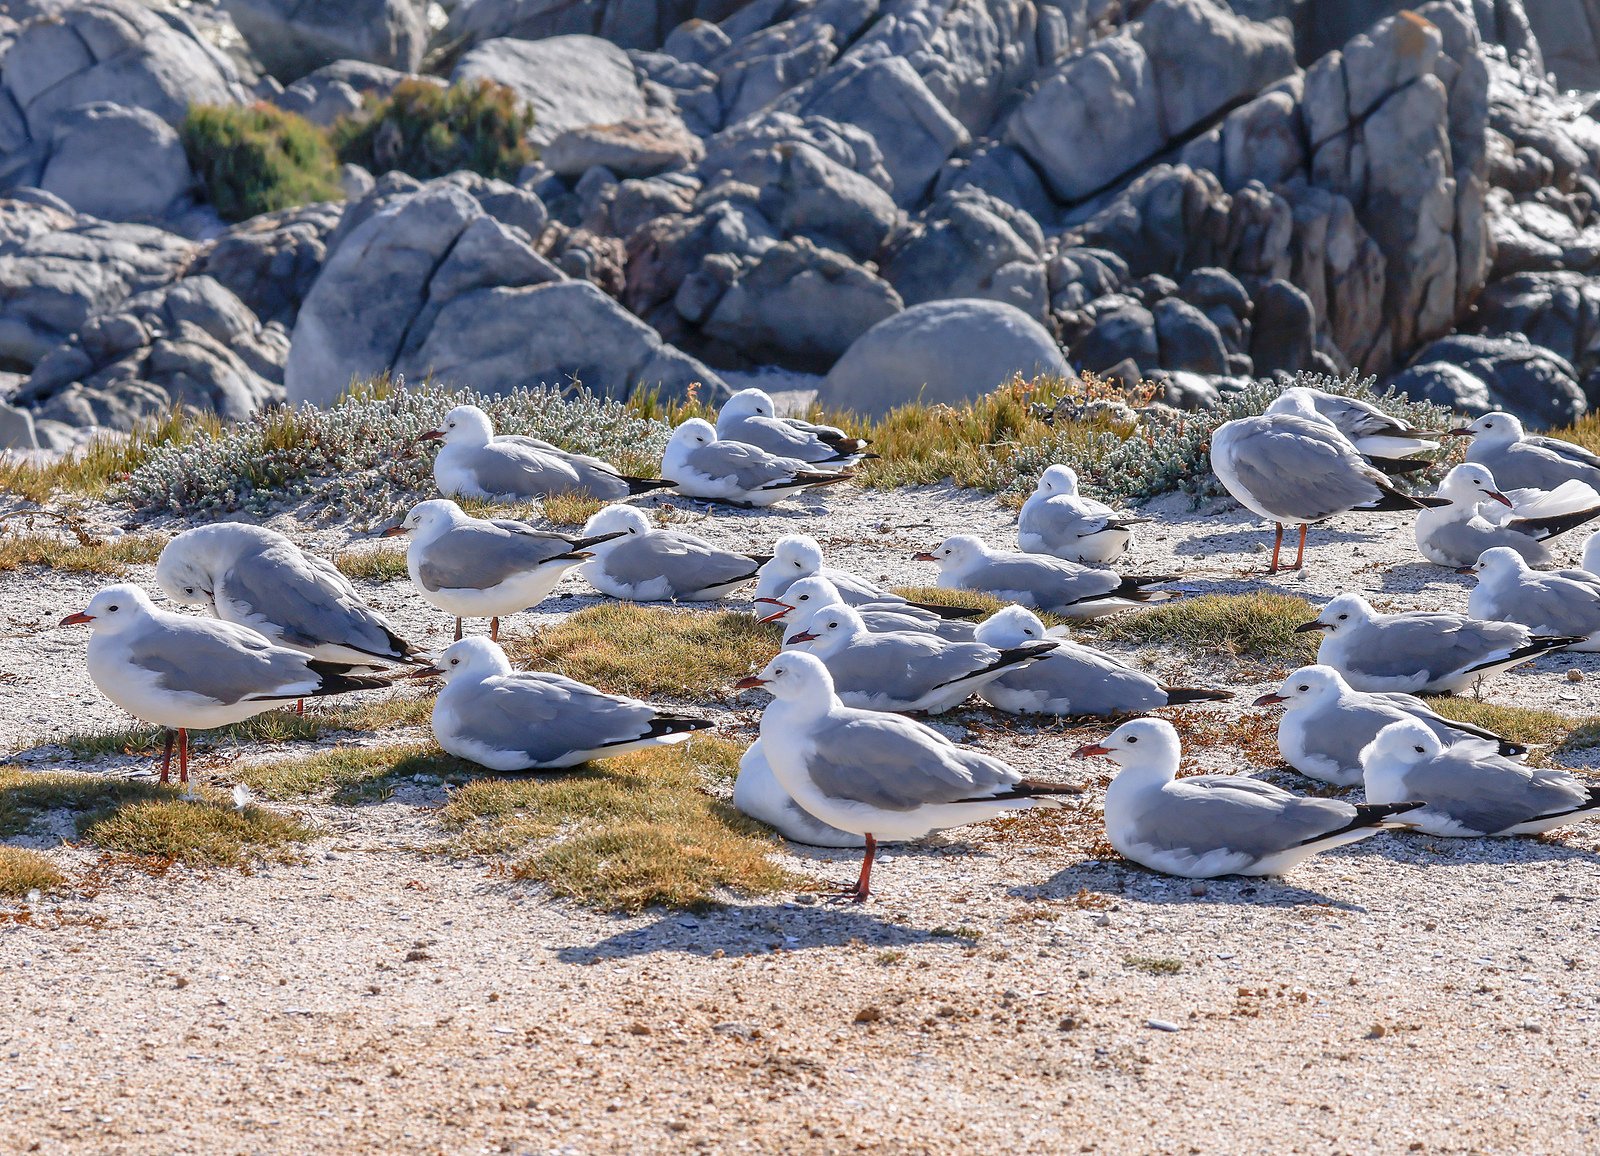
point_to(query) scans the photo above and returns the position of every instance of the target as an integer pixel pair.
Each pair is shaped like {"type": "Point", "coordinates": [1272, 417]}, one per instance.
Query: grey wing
{"type": "Point", "coordinates": [308, 607]}
{"type": "Point", "coordinates": [1437, 643]}
{"type": "Point", "coordinates": [524, 470]}
{"type": "Point", "coordinates": [546, 716]}
{"type": "Point", "coordinates": [1463, 541]}
{"type": "Point", "coordinates": [1557, 605]}
{"type": "Point", "coordinates": [476, 557]}
{"type": "Point", "coordinates": [1356, 418]}
{"type": "Point", "coordinates": [1485, 792]}
{"type": "Point", "coordinates": [1052, 582]}
{"type": "Point", "coordinates": [857, 591]}
{"type": "Point", "coordinates": [905, 666]}
{"type": "Point", "coordinates": [688, 564]}
{"type": "Point", "coordinates": [746, 466]}
{"type": "Point", "coordinates": [896, 764]}
{"type": "Point", "coordinates": [773, 436]}
{"type": "Point", "coordinates": [1060, 526]}
{"type": "Point", "coordinates": [221, 661]}
{"type": "Point", "coordinates": [1566, 450]}
{"type": "Point", "coordinates": [1091, 682]}
{"type": "Point", "coordinates": [1302, 469]}
{"type": "Point", "coordinates": [1210, 812]}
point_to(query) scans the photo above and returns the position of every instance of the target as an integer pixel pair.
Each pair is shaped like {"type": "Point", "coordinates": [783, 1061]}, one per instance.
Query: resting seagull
{"type": "Point", "coordinates": [476, 567]}
{"type": "Point", "coordinates": [1479, 516]}
{"type": "Point", "coordinates": [475, 463]}
{"type": "Point", "coordinates": [702, 466]}
{"type": "Point", "coordinates": [1327, 723]}
{"type": "Point", "coordinates": [1039, 582]}
{"type": "Point", "coordinates": [750, 417]}
{"type": "Point", "coordinates": [758, 794]}
{"type": "Point", "coordinates": [809, 595]}
{"type": "Point", "coordinates": [636, 562]}
{"type": "Point", "coordinates": [182, 673]}
{"type": "Point", "coordinates": [1296, 468]}
{"type": "Point", "coordinates": [796, 556]}
{"type": "Point", "coordinates": [878, 775]}
{"type": "Point", "coordinates": [511, 720]}
{"type": "Point", "coordinates": [1420, 652]}
{"type": "Point", "coordinates": [1057, 520]}
{"type": "Point", "coordinates": [1467, 790]}
{"type": "Point", "coordinates": [1509, 591]}
{"type": "Point", "coordinates": [1389, 443]}
{"type": "Point", "coordinates": [1519, 459]}
{"type": "Point", "coordinates": [1202, 826]}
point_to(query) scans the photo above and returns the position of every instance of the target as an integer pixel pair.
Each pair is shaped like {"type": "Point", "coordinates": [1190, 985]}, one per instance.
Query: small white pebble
{"type": "Point", "coordinates": [1162, 1025]}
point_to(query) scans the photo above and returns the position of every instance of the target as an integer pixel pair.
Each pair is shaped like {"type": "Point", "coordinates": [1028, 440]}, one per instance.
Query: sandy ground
{"type": "Point", "coordinates": [1009, 991]}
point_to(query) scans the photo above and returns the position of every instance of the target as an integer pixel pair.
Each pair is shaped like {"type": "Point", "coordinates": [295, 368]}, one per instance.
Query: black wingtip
{"type": "Point", "coordinates": [1542, 528]}
{"type": "Point", "coordinates": [1178, 695]}
{"type": "Point", "coordinates": [948, 613]}
{"type": "Point", "coordinates": [595, 540]}
{"type": "Point", "coordinates": [638, 486]}
{"type": "Point", "coordinates": [1393, 500]}
{"type": "Point", "coordinates": [337, 679]}
{"type": "Point", "coordinates": [1396, 467]}
{"type": "Point", "coordinates": [1027, 652]}
{"type": "Point", "coordinates": [676, 725]}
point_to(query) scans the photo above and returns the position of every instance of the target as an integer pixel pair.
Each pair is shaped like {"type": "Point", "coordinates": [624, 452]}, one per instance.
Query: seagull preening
{"type": "Point", "coordinates": [1057, 520]}
{"type": "Point", "coordinates": [511, 720]}
{"type": "Point", "coordinates": [1478, 516]}
{"type": "Point", "coordinates": [183, 673]}
{"type": "Point", "coordinates": [475, 463]}
{"type": "Point", "coordinates": [1521, 460]}
{"type": "Point", "coordinates": [750, 417]}
{"type": "Point", "coordinates": [1467, 789]}
{"type": "Point", "coordinates": [1422, 651]}
{"type": "Point", "coordinates": [481, 568]}
{"type": "Point", "coordinates": [634, 561]}
{"type": "Point", "coordinates": [1390, 443]}
{"type": "Point", "coordinates": [1327, 723]}
{"type": "Point", "coordinates": [878, 775]}
{"type": "Point", "coordinates": [1294, 467]}
{"type": "Point", "coordinates": [703, 466]}
{"type": "Point", "coordinates": [1559, 603]}
{"type": "Point", "coordinates": [1039, 582]}
{"type": "Point", "coordinates": [1202, 826]}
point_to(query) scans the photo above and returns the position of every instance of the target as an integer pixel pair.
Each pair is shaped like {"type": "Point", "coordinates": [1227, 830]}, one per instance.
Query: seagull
{"type": "Point", "coordinates": [757, 793]}
{"type": "Point", "coordinates": [797, 556]}
{"type": "Point", "coordinates": [727, 471]}
{"type": "Point", "coordinates": [905, 670]}
{"type": "Point", "coordinates": [256, 577]}
{"type": "Point", "coordinates": [1039, 582]}
{"type": "Point", "coordinates": [1509, 591]}
{"type": "Point", "coordinates": [807, 596]}
{"type": "Point", "coordinates": [1455, 534]}
{"type": "Point", "coordinates": [1420, 652]}
{"type": "Point", "coordinates": [182, 673]}
{"type": "Point", "coordinates": [1072, 679]}
{"type": "Point", "coordinates": [878, 775]}
{"type": "Point", "coordinates": [1202, 826]}
{"type": "Point", "coordinates": [472, 567]}
{"type": "Point", "coordinates": [1467, 790]}
{"type": "Point", "coordinates": [1057, 520]}
{"type": "Point", "coordinates": [1389, 443]}
{"type": "Point", "coordinates": [1328, 722]}
{"type": "Point", "coordinates": [638, 563]}
{"type": "Point", "coordinates": [1520, 459]}
{"type": "Point", "coordinates": [1297, 468]}
{"type": "Point", "coordinates": [475, 463]}
{"type": "Point", "coordinates": [750, 417]}
{"type": "Point", "coordinates": [510, 720]}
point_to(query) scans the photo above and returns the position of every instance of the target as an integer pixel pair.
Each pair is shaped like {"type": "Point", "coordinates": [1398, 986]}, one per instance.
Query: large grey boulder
{"type": "Point", "coordinates": [941, 351]}
{"type": "Point", "coordinates": [568, 81]}
{"type": "Point", "coordinates": [623, 22]}
{"type": "Point", "coordinates": [269, 262]}
{"type": "Point", "coordinates": [1528, 380]}
{"type": "Point", "coordinates": [1568, 32]}
{"type": "Point", "coordinates": [814, 196]}
{"type": "Point", "coordinates": [970, 244]}
{"type": "Point", "coordinates": [342, 89]}
{"type": "Point", "coordinates": [117, 163]}
{"type": "Point", "coordinates": [640, 147]}
{"type": "Point", "coordinates": [293, 37]}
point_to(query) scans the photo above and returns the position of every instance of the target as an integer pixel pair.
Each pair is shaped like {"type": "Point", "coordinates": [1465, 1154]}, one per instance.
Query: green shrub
{"type": "Point", "coordinates": [429, 131]}
{"type": "Point", "coordinates": [258, 159]}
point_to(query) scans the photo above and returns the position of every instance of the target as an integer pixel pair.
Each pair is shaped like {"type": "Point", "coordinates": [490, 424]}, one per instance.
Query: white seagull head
{"type": "Point", "coordinates": [1140, 744]}
{"type": "Point", "coordinates": [1403, 743]}
{"type": "Point", "coordinates": [748, 403]}
{"type": "Point", "coordinates": [1306, 687]}
{"type": "Point", "coordinates": [1058, 480]}
{"type": "Point", "coordinates": [113, 609]}
{"type": "Point", "coordinates": [616, 519]}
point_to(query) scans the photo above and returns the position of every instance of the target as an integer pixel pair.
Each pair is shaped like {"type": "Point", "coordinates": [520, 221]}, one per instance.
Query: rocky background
{"type": "Point", "coordinates": [868, 197]}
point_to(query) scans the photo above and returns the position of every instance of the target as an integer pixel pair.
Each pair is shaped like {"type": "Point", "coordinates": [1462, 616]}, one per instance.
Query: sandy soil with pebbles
{"type": "Point", "coordinates": [1014, 988]}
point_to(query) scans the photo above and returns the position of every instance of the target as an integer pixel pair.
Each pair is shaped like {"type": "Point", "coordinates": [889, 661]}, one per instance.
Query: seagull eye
{"type": "Point", "coordinates": [804, 598]}
{"type": "Point", "coordinates": [188, 589]}
{"type": "Point", "coordinates": [1303, 686]}
{"type": "Point", "coordinates": [1342, 617]}
{"type": "Point", "coordinates": [109, 609]}
{"type": "Point", "coordinates": [1028, 630]}
{"type": "Point", "coordinates": [1417, 749]}
{"type": "Point", "coordinates": [1133, 738]}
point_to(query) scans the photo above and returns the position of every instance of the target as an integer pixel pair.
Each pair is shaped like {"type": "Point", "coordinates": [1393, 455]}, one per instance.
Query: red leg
{"type": "Point", "coordinates": [300, 707]}
{"type": "Point", "coordinates": [864, 884]}
{"type": "Point", "coordinates": [1277, 544]}
{"type": "Point", "coordinates": [183, 756]}
{"type": "Point", "coordinates": [166, 755]}
{"type": "Point", "coordinates": [458, 630]}
{"type": "Point", "coordinates": [494, 630]}
{"type": "Point", "coordinates": [1300, 558]}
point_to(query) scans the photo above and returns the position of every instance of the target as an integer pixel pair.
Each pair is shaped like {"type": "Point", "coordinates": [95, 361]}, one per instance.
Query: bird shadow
{"type": "Point", "coordinates": [1409, 577]}
{"type": "Point", "coordinates": [1243, 538]}
{"type": "Point", "coordinates": [716, 507]}
{"type": "Point", "coordinates": [1432, 851]}
{"type": "Point", "coordinates": [1083, 881]}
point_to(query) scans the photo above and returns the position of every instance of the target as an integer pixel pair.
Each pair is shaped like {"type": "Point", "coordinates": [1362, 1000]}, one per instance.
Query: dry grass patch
{"type": "Point", "coordinates": [1257, 628]}
{"type": "Point", "coordinates": [350, 775]}
{"type": "Point", "coordinates": [109, 558]}
{"type": "Point", "coordinates": [26, 797]}
{"type": "Point", "coordinates": [22, 871]}
{"type": "Point", "coordinates": [208, 832]}
{"type": "Point", "coordinates": [571, 509]}
{"type": "Point", "coordinates": [626, 834]}
{"type": "Point", "coordinates": [106, 460]}
{"type": "Point", "coordinates": [375, 565]}
{"type": "Point", "coordinates": [1550, 732]}
{"type": "Point", "coordinates": [626, 648]}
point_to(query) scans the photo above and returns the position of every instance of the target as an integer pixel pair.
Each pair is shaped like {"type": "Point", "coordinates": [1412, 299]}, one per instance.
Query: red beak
{"type": "Point", "coordinates": [1088, 749]}
{"type": "Point", "coordinates": [1463, 432]}
{"type": "Point", "coordinates": [750, 683]}
{"type": "Point", "coordinates": [394, 532]}
{"type": "Point", "coordinates": [424, 672]}
{"type": "Point", "coordinates": [1269, 699]}
{"type": "Point", "coordinates": [923, 556]}
{"type": "Point", "coordinates": [1501, 498]}
{"type": "Point", "coordinates": [77, 619]}
{"type": "Point", "coordinates": [803, 636]}
{"type": "Point", "coordinates": [432, 435]}
{"type": "Point", "coordinates": [783, 608]}
{"type": "Point", "coordinates": [1466, 569]}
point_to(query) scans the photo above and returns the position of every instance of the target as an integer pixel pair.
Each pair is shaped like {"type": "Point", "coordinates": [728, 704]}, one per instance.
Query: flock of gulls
{"type": "Point", "coordinates": [838, 762]}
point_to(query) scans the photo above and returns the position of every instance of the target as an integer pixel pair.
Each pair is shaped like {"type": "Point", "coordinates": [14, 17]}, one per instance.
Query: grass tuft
{"type": "Point", "coordinates": [107, 460]}
{"type": "Point", "coordinates": [259, 158]}
{"type": "Point", "coordinates": [1255, 627]}
{"type": "Point", "coordinates": [352, 774]}
{"type": "Point", "coordinates": [22, 871]}
{"type": "Point", "coordinates": [571, 509]}
{"type": "Point", "coordinates": [649, 650]}
{"type": "Point", "coordinates": [375, 565]}
{"type": "Point", "coordinates": [109, 559]}
{"type": "Point", "coordinates": [210, 832]}
{"type": "Point", "coordinates": [1549, 731]}
{"type": "Point", "coordinates": [429, 131]}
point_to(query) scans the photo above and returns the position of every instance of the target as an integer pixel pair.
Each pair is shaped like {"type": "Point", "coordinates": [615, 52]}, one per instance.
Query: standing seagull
{"type": "Point", "coordinates": [1467, 790]}
{"type": "Point", "coordinates": [1519, 459]}
{"type": "Point", "coordinates": [1297, 468]}
{"type": "Point", "coordinates": [1202, 826]}
{"type": "Point", "coordinates": [1057, 520]}
{"type": "Point", "coordinates": [742, 475]}
{"type": "Point", "coordinates": [1479, 516]}
{"type": "Point", "coordinates": [258, 578]}
{"type": "Point", "coordinates": [1389, 443]}
{"type": "Point", "coordinates": [1037, 581]}
{"type": "Point", "coordinates": [475, 463]}
{"type": "Point", "coordinates": [750, 417]}
{"type": "Point", "coordinates": [1328, 723]}
{"type": "Point", "coordinates": [182, 673]}
{"type": "Point", "coordinates": [511, 720]}
{"type": "Point", "coordinates": [1420, 652]}
{"type": "Point", "coordinates": [878, 774]}
{"type": "Point", "coordinates": [1509, 591]}
{"type": "Point", "coordinates": [638, 563]}
{"type": "Point", "coordinates": [473, 567]}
